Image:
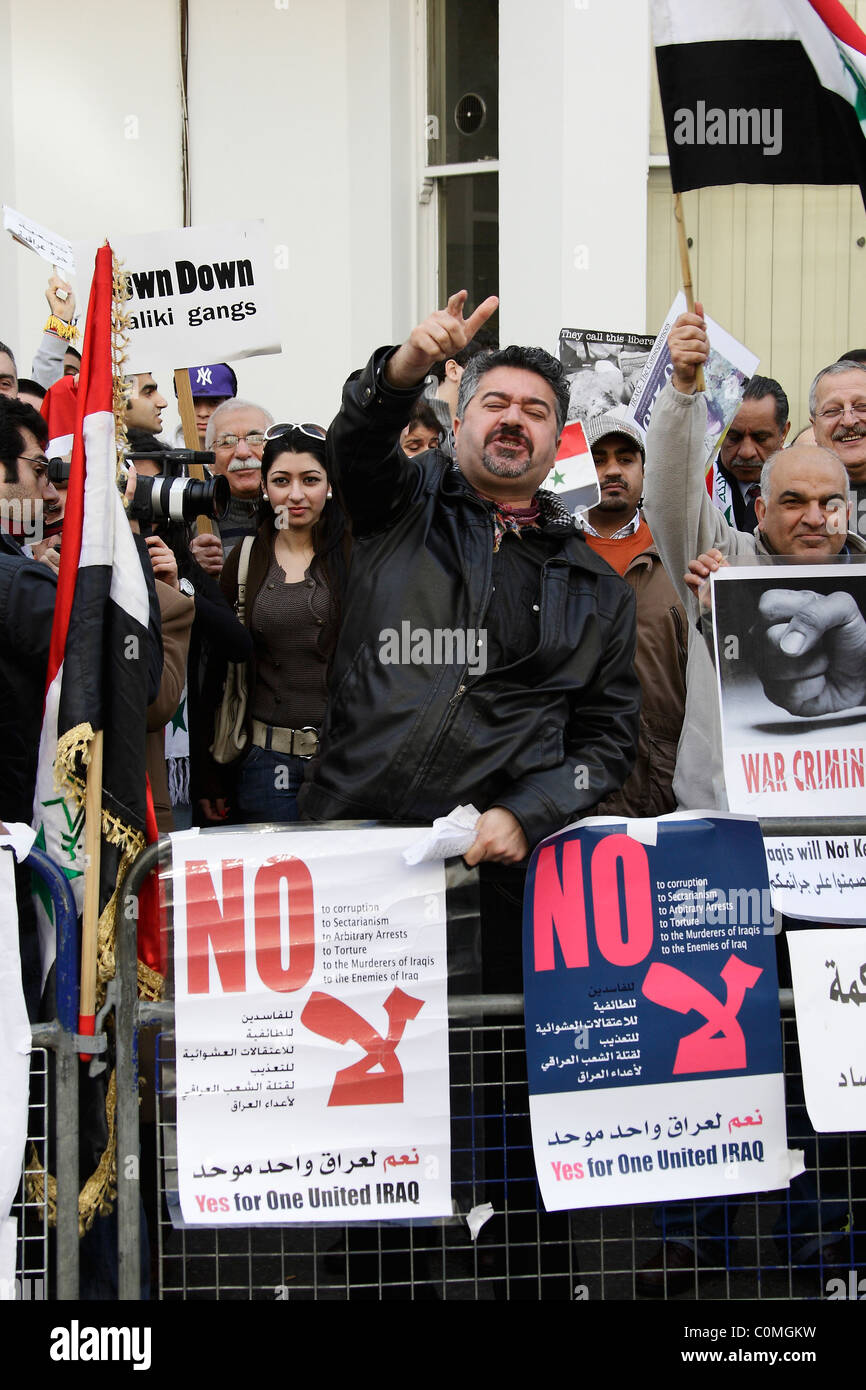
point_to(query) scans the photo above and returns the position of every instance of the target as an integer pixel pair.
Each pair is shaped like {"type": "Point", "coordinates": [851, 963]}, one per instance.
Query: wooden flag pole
{"type": "Point", "coordinates": [90, 913]}
{"type": "Point", "coordinates": [203, 524]}
{"type": "Point", "coordinates": [686, 271]}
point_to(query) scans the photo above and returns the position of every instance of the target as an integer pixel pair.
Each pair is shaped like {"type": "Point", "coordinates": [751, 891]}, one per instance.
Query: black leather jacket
{"type": "Point", "coordinates": [27, 594]}
{"type": "Point", "coordinates": [546, 736]}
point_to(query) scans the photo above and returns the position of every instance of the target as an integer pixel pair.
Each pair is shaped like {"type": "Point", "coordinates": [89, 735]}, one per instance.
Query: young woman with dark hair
{"type": "Point", "coordinates": [294, 591]}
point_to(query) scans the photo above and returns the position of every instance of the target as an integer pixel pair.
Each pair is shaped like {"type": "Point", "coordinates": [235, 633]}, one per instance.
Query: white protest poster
{"type": "Point", "coordinates": [818, 878]}
{"type": "Point", "coordinates": [790, 651]}
{"type": "Point", "coordinates": [729, 365]}
{"type": "Point", "coordinates": [47, 244]}
{"type": "Point", "coordinates": [311, 1023]}
{"type": "Point", "coordinates": [198, 294]}
{"type": "Point", "coordinates": [653, 1039]}
{"type": "Point", "coordinates": [602, 368]}
{"type": "Point", "coordinates": [828, 971]}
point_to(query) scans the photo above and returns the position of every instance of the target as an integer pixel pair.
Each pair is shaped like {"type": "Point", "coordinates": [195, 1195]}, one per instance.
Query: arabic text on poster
{"type": "Point", "coordinates": [652, 1020]}
{"type": "Point", "coordinates": [828, 970]}
{"type": "Point", "coordinates": [312, 1046]}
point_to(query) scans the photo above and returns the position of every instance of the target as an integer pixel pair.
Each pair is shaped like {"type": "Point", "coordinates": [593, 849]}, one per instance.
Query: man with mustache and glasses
{"type": "Point", "coordinates": [837, 407]}
{"type": "Point", "coordinates": [454, 561]}
{"type": "Point", "coordinates": [236, 434]}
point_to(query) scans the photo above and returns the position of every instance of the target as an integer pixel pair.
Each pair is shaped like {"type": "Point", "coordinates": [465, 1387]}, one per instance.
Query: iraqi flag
{"type": "Point", "coordinates": [761, 91]}
{"type": "Point", "coordinates": [98, 660]}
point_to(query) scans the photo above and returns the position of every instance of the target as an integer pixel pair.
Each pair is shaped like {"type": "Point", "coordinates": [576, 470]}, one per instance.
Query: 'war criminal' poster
{"type": "Point", "coordinates": [790, 649]}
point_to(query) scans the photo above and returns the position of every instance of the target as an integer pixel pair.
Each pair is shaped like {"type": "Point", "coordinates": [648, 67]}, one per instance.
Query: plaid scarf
{"type": "Point", "coordinates": [514, 519]}
{"type": "Point", "coordinates": [545, 512]}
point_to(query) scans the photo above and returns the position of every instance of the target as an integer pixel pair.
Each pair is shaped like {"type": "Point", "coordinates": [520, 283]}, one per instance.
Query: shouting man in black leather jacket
{"type": "Point", "coordinates": [486, 652]}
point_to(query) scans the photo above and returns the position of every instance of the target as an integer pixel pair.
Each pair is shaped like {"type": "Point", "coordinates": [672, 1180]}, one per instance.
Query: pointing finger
{"type": "Point", "coordinates": [456, 302]}
{"type": "Point", "coordinates": [481, 315]}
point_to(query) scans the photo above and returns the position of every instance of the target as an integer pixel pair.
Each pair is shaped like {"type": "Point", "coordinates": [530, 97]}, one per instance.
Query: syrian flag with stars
{"type": "Point", "coordinates": [761, 91]}
{"type": "Point", "coordinates": [98, 660]}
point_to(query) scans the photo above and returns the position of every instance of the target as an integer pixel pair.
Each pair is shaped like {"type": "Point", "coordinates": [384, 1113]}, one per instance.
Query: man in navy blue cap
{"type": "Point", "coordinates": [210, 386]}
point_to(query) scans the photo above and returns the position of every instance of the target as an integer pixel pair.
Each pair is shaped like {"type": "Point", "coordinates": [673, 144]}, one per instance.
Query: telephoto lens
{"type": "Point", "coordinates": [179, 499]}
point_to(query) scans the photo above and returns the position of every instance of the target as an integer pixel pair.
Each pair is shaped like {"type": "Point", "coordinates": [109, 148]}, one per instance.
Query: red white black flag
{"type": "Point", "coordinates": [761, 91]}
{"type": "Point", "coordinates": [98, 662]}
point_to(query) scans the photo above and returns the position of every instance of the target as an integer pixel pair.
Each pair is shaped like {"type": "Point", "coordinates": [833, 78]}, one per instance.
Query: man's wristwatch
{"type": "Point", "coordinates": [186, 587]}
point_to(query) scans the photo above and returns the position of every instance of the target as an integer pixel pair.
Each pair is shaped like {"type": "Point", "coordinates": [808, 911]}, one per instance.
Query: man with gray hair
{"type": "Point", "coordinates": [837, 408]}
{"type": "Point", "coordinates": [236, 434]}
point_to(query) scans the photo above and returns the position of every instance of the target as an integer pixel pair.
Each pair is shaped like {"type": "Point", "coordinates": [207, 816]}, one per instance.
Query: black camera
{"type": "Point", "coordinates": [179, 499]}
{"type": "Point", "coordinates": [173, 497]}
{"type": "Point", "coordinates": [58, 472]}
{"type": "Point", "coordinates": [173, 463]}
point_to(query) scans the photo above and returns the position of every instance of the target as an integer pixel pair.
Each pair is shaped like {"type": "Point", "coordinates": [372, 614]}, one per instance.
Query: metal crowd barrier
{"type": "Point", "coordinates": [520, 1251]}
{"type": "Point", "coordinates": [59, 1036]}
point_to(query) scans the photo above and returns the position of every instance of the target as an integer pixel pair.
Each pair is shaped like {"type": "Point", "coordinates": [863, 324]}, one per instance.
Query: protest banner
{"type": "Point", "coordinates": [729, 366]}
{"type": "Point", "coordinates": [819, 878]}
{"type": "Point", "coordinates": [45, 243]}
{"type": "Point", "coordinates": [790, 652]}
{"type": "Point", "coordinates": [311, 1023]}
{"type": "Point", "coordinates": [602, 368]}
{"type": "Point", "coordinates": [197, 294]}
{"type": "Point", "coordinates": [828, 972]}
{"type": "Point", "coordinates": [652, 1018]}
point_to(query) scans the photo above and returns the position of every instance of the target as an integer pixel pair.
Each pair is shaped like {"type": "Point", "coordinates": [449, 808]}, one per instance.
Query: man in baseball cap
{"type": "Point", "coordinates": [210, 386]}
{"type": "Point", "coordinates": [616, 530]}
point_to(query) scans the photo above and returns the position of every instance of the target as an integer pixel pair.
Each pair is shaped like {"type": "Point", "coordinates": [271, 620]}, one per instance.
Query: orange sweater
{"type": "Point", "coordinates": [619, 554]}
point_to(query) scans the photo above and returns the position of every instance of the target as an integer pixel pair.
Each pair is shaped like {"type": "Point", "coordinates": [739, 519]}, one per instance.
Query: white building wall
{"type": "Point", "coordinates": [574, 141]}
{"type": "Point", "coordinates": [299, 113]}
{"type": "Point", "coordinates": [307, 113]}
{"type": "Point", "coordinates": [92, 139]}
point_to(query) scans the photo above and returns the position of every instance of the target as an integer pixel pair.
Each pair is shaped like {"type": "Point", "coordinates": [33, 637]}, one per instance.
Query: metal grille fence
{"type": "Point", "coordinates": [522, 1252]}
{"type": "Point", "coordinates": [28, 1211]}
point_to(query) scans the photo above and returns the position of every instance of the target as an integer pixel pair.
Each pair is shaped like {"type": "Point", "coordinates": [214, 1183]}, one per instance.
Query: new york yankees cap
{"type": "Point", "coordinates": [218, 379]}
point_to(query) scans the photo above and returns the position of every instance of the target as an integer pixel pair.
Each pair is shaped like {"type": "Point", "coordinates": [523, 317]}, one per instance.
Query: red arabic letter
{"type": "Point", "coordinates": [719, 1044]}
{"type": "Point", "coordinates": [360, 1084]}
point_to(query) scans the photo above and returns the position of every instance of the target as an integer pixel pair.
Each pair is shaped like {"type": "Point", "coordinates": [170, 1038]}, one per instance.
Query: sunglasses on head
{"type": "Point", "coordinates": [277, 431]}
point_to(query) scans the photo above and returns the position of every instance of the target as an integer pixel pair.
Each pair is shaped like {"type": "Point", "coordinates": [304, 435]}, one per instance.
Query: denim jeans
{"type": "Point", "coordinates": [268, 786]}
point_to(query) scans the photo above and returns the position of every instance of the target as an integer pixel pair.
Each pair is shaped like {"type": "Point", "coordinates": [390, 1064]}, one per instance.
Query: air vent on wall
{"type": "Point", "coordinates": [470, 113]}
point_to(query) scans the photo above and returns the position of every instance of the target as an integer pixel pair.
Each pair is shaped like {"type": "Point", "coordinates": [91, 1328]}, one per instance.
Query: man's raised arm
{"type": "Point", "coordinates": [374, 478]}
{"type": "Point", "coordinates": [681, 516]}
